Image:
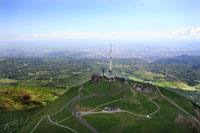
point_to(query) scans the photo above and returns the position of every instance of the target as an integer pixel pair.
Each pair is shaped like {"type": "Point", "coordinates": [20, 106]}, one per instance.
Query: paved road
{"type": "Point", "coordinates": [38, 123]}
{"type": "Point", "coordinates": [77, 115]}
{"type": "Point", "coordinates": [109, 112]}
{"type": "Point", "coordinates": [61, 125]}
{"type": "Point", "coordinates": [65, 119]}
{"type": "Point", "coordinates": [72, 109]}
{"type": "Point", "coordinates": [158, 107]}
{"type": "Point", "coordinates": [194, 118]}
{"type": "Point", "coordinates": [5, 126]}
{"type": "Point", "coordinates": [133, 94]}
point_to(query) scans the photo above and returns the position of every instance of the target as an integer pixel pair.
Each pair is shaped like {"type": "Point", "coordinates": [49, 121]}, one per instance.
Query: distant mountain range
{"type": "Point", "coordinates": [182, 59]}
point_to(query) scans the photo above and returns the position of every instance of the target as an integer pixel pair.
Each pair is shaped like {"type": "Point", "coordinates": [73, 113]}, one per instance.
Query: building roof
{"type": "Point", "coordinates": [96, 74]}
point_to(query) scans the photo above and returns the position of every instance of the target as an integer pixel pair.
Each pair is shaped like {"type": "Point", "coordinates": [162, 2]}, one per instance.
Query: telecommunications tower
{"type": "Point", "coordinates": [110, 69]}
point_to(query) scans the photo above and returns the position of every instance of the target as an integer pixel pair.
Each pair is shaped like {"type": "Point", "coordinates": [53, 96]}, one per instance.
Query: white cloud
{"type": "Point", "coordinates": [189, 32]}
{"type": "Point", "coordinates": [98, 35]}
{"type": "Point", "coordinates": [185, 33]}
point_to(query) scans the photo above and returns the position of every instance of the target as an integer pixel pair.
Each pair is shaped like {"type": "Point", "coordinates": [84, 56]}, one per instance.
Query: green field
{"type": "Point", "coordinates": [102, 87]}
{"type": "Point", "coordinates": [94, 101]}
{"type": "Point", "coordinates": [49, 84]}
{"type": "Point", "coordinates": [180, 100]}
{"type": "Point", "coordinates": [165, 120]}
{"type": "Point", "coordinates": [139, 104]}
{"type": "Point", "coordinates": [50, 109]}
{"type": "Point", "coordinates": [11, 97]}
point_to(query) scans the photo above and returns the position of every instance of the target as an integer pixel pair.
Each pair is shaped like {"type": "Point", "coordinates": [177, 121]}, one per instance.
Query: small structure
{"type": "Point", "coordinates": [106, 109]}
{"type": "Point", "coordinates": [96, 77]}
{"type": "Point", "coordinates": [112, 108]}
{"type": "Point", "coordinates": [148, 89]}
{"type": "Point", "coordinates": [138, 87]}
{"type": "Point", "coordinates": [144, 88]}
{"type": "Point", "coordinates": [111, 78]}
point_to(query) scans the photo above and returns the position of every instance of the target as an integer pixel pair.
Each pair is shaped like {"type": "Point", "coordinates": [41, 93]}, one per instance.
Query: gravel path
{"type": "Point", "coordinates": [55, 112]}
{"type": "Point", "coordinates": [61, 125]}
{"type": "Point", "coordinates": [194, 118]}
{"type": "Point", "coordinates": [110, 112]}
{"type": "Point", "coordinates": [78, 115]}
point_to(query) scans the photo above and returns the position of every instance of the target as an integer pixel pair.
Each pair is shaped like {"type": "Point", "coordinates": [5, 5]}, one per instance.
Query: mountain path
{"type": "Point", "coordinates": [169, 100]}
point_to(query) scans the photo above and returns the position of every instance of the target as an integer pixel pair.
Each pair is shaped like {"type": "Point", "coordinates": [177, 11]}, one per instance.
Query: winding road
{"type": "Point", "coordinates": [169, 100]}
{"type": "Point", "coordinates": [129, 112]}
{"type": "Point", "coordinates": [48, 116]}
{"type": "Point", "coordinates": [78, 115]}
{"type": "Point", "coordinates": [61, 125]}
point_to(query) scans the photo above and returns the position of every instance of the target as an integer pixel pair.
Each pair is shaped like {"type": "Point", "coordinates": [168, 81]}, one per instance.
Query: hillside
{"type": "Point", "coordinates": [49, 77]}
{"type": "Point", "coordinates": [183, 68]}
{"type": "Point", "coordinates": [182, 59]}
{"type": "Point", "coordinates": [153, 109]}
{"type": "Point", "coordinates": [43, 80]}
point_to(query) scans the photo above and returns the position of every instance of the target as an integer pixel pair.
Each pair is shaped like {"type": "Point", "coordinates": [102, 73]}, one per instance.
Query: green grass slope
{"type": "Point", "coordinates": [179, 100]}
{"type": "Point", "coordinates": [168, 119]}
{"type": "Point", "coordinates": [163, 121]}
{"type": "Point", "coordinates": [50, 109]}
{"type": "Point", "coordinates": [101, 87]}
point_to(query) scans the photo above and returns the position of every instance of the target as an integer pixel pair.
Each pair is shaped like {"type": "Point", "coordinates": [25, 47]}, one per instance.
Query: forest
{"type": "Point", "coordinates": [42, 80]}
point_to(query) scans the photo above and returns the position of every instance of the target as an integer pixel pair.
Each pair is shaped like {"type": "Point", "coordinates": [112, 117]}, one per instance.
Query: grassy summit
{"type": "Point", "coordinates": [101, 87]}
{"type": "Point", "coordinates": [135, 106]}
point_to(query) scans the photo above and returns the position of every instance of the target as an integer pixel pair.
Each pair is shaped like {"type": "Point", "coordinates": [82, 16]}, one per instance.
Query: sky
{"type": "Point", "coordinates": [99, 19]}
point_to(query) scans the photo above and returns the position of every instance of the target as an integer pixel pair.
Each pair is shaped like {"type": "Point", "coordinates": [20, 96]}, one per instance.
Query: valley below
{"type": "Point", "coordinates": [33, 89]}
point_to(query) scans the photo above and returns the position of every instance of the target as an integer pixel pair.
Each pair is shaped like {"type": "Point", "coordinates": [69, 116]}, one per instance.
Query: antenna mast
{"type": "Point", "coordinates": [110, 70]}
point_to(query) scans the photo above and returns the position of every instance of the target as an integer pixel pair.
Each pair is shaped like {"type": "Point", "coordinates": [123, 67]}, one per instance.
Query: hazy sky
{"type": "Point", "coordinates": [99, 19]}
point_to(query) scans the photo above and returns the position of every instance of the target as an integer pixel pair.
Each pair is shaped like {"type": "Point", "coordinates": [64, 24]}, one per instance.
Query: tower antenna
{"type": "Point", "coordinates": [110, 69]}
